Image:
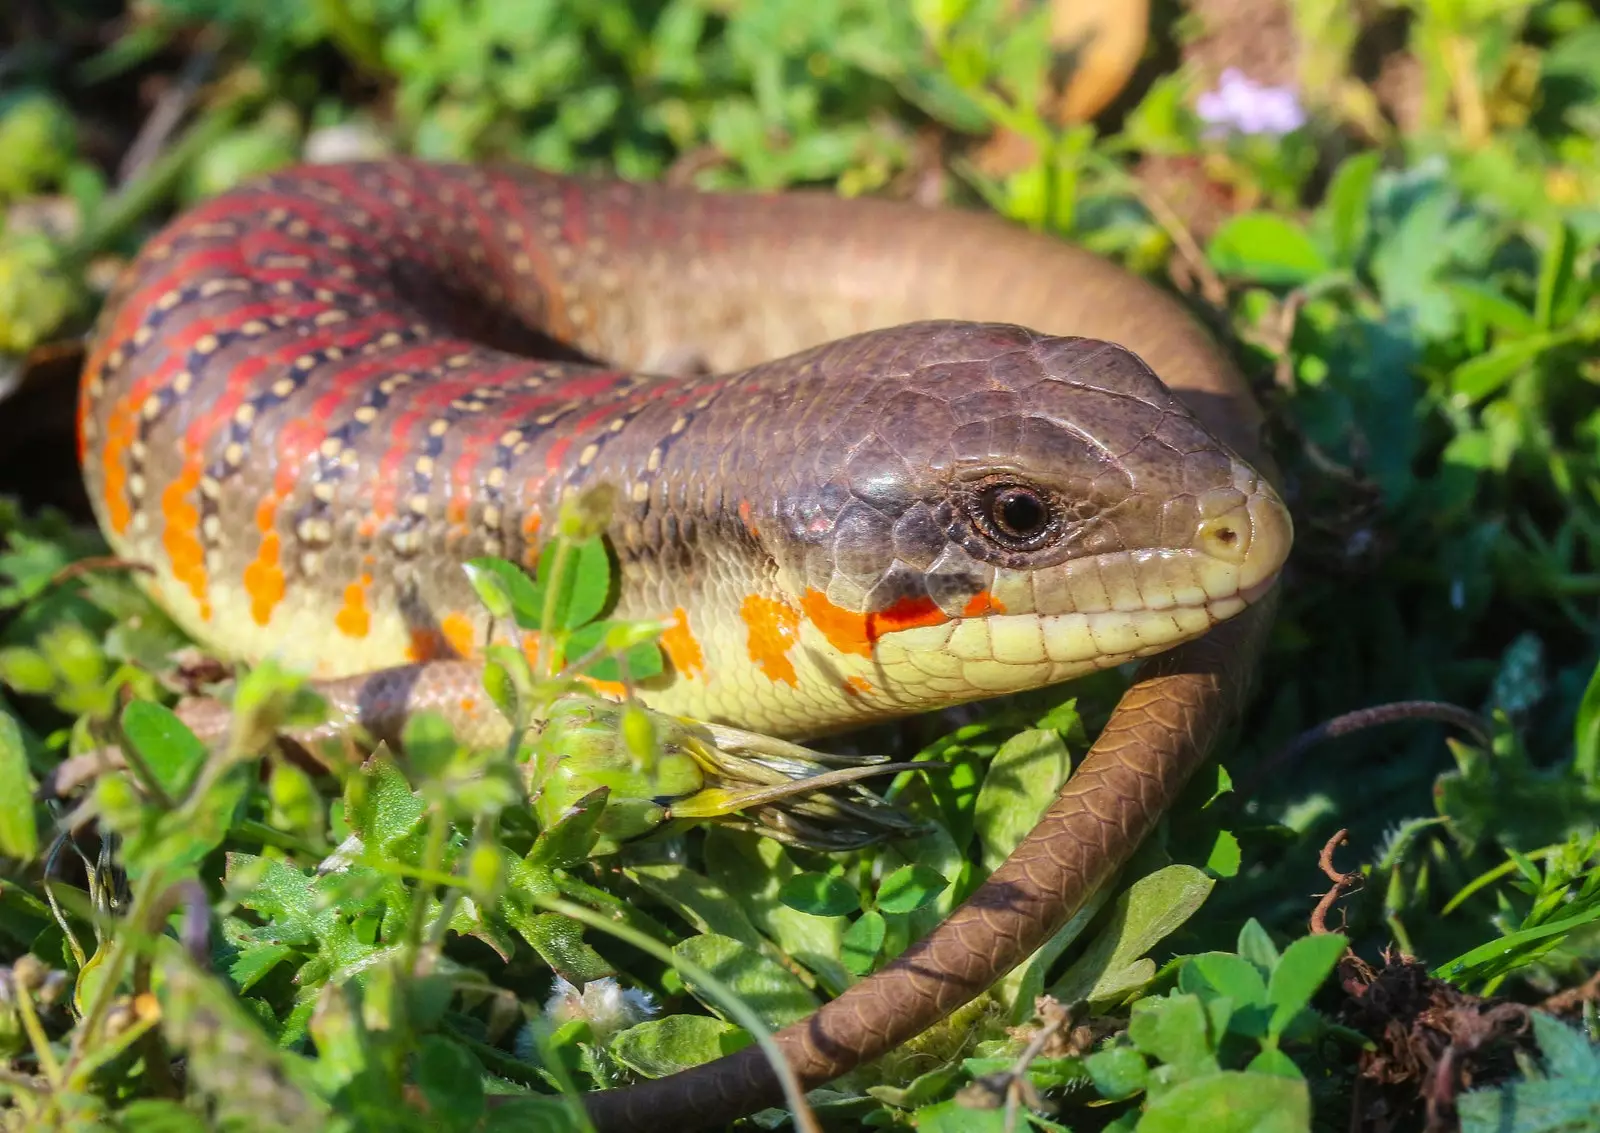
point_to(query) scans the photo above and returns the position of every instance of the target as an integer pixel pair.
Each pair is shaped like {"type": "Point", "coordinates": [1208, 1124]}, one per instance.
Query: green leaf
{"type": "Point", "coordinates": [451, 1079]}
{"type": "Point", "coordinates": [642, 660]}
{"type": "Point", "coordinates": [659, 1047]}
{"type": "Point", "coordinates": [1214, 974]}
{"type": "Point", "coordinates": [1257, 947]}
{"type": "Point", "coordinates": [1117, 1073]}
{"type": "Point", "coordinates": [1265, 247]}
{"type": "Point", "coordinates": [569, 840]}
{"type": "Point", "coordinates": [1567, 1101]}
{"type": "Point", "coordinates": [909, 888]}
{"type": "Point", "coordinates": [774, 993]}
{"type": "Point", "coordinates": [1021, 782]}
{"type": "Point", "coordinates": [953, 1117]}
{"type": "Point", "coordinates": [158, 1115]}
{"type": "Point", "coordinates": [165, 744]}
{"type": "Point", "coordinates": [585, 585]}
{"type": "Point", "coordinates": [250, 964]}
{"type": "Point", "coordinates": [429, 742]}
{"type": "Point", "coordinates": [863, 940]}
{"type": "Point", "coordinates": [1556, 278]}
{"type": "Point", "coordinates": [752, 870]}
{"type": "Point", "coordinates": [534, 1113]}
{"type": "Point", "coordinates": [819, 894]}
{"type": "Point", "coordinates": [26, 671]}
{"type": "Point", "coordinates": [380, 806]}
{"type": "Point", "coordinates": [1175, 1030]}
{"type": "Point", "coordinates": [1480, 376]}
{"type": "Point", "coordinates": [1150, 910]}
{"type": "Point", "coordinates": [1230, 1102]}
{"type": "Point", "coordinates": [1045, 1073]}
{"type": "Point", "coordinates": [1485, 304]}
{"type": "Point", "coordinates": [1273, 1061]}
{"type": "Point", "coordinates": [505, 591]}
{"type": "Point", "coordinates": [1224, 858]}
{"type": "Point", "coordinates": [1343, 216]}
{"type": "Point", "coordinates": [924, 1089]}
{"type": "Point", "coordinates": [1567, 1052]}
{"type": "Point", "coordinates": [19, 826]}
{"type": "Point", "coordinates": [1301, 970]}
{"type": "Point", "coordinates": [696, 899]}
{"type": "Point", "coordinates": [1586, 732]}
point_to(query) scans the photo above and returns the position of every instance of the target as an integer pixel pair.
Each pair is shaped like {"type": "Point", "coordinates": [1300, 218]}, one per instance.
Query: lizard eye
{"type": "Point", "coordinates": [1016, 516]}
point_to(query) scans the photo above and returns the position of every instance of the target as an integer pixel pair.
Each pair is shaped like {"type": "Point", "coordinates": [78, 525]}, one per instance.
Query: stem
{"type": "Point", "coordinates": [1460, 55]}
{"type": "Point", "coordinates": [548, 653]}
{"type": "Point", "coordinates": [48, 1064]}
{"type": "Point", "coordinates": [158, 180]}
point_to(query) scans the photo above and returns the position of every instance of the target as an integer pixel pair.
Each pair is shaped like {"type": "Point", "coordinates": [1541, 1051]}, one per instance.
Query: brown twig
{"type": "Point", "coordinates": [170, 109]}
{"type": "Point", "coordinates": [1359, 721]}
{"type": "Point", "coordinates": [1011, 1085]}
{"type": "Point", "coordinates": [98, 562]}
{"type": "Point", "coordinates": [1573, 997]}
{"type": "Point", "coordinates": [1343, 883]}
{"type": "Point", "coordinates": [1212, 289]}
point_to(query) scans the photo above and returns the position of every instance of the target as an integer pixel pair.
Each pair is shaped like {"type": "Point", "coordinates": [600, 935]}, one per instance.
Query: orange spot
{"type": "Point", "coordinates": [614, 689]}
{"type": "Point", "coordinates": [120, 431]}
{"type": "Point", "coordinates": [530, 525]}
{"type": "Point", "coordinates": [181, 536]}
{"type": "Point", "coordinates": [353, 618]}
{"type": "Point", "coordinates": [682, 649]}
{"type": "Point", "coordinates": [849, 632]}
{"type": "Point", "coordinates": [468, 705]}
{"type": "Point", "coordinates": [983, 603]}
{"type": "Point", "coordinates": [426, 645]}
{"type": "Point", "coordinates": [857, 686]}
{"type": "Point", "coordinates": [457, 630]}
{"type": "Point", "coordinates": [263, 579]}
{"type": "Point", "coordinates": [456, 509]}
{"type": "Point", "coordinates": [845, 631]}
{"type": "Point", "coordinates": [744, 517]}
{"type": "Point", "coordinates": [772, 626]}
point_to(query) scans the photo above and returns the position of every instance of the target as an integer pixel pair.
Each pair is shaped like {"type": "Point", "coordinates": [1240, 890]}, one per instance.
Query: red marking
{"type": "Point", "coordinates": [850, 632]}
{"type": "Point", "coordinates": [583, 386]}
{"type": "Point", "coordinates": [616, 224]}
{"type": "Point", "coordinates": [574, 215]}
{"type": "Point", "coordinates": [982, 603]}
{"type": "Point", "coordinates": [556, 454]}
{"type": "Point", "coordinates": [857, 686]}
{"type": "Point", "coordinates": [298, 440]}
{"type": "Point", "coordinates": [907, 613]}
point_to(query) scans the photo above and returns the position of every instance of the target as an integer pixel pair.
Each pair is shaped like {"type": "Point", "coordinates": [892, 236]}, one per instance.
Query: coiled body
{"type": "Point", "coordinates": [855, 473]}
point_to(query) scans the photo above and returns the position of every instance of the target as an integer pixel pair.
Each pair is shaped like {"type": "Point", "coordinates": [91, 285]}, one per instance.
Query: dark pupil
{"type": "Point", "coordinates": [1020, 512]}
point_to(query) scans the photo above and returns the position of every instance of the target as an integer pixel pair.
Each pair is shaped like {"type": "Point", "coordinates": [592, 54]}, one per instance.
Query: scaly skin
{"type": "Point", "coordinates": [312, 398]}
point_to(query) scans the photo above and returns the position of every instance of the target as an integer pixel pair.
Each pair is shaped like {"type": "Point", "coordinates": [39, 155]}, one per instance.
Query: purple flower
{"type": "Point", "coordinates": [1243, 105]}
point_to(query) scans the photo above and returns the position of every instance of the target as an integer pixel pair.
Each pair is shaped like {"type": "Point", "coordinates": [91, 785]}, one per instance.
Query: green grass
{"type": "Point", "coordinates": [1418, 302]}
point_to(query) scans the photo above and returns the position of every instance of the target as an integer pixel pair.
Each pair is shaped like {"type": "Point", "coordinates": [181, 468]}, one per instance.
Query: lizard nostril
{"type": "Point", "coordinates": [1226, 537]}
